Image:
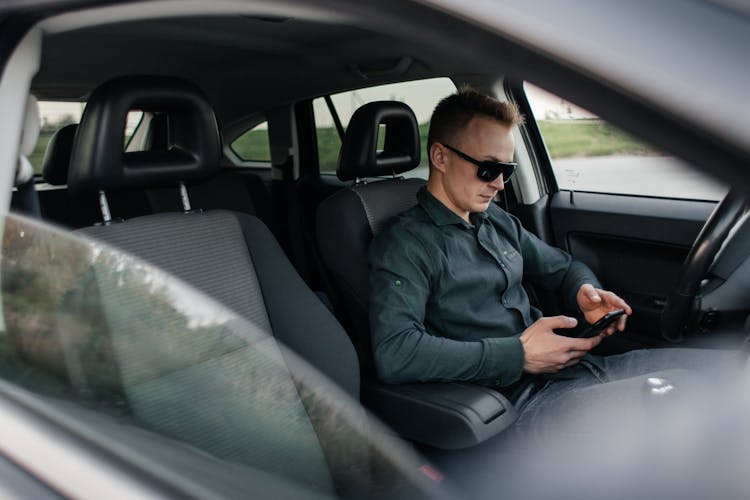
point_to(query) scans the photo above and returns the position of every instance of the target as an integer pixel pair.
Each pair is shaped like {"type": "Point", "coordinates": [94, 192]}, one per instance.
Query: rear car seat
{"type": "Point", "coordinates": [241, 192]}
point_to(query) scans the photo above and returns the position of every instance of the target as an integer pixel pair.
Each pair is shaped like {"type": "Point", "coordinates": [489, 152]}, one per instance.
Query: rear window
{"type": "Point", "coordinates": [53, 116]}
{"type": "Point", "coordinates": [253, 145]}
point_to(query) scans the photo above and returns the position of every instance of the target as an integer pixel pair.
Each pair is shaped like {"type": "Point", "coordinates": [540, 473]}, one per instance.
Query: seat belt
{"type": "Point", "coordinates": [295, 227]}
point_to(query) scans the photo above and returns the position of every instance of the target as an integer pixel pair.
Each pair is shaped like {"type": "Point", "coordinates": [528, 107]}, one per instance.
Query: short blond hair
{"type": "Point", "coordinates": [454, 112]}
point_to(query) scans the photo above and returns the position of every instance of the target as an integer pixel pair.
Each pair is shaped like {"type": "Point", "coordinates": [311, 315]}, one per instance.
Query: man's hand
{"type": "Point", "coordinates": [546, 352]}
{"type": "Point", "coordinates": [595, 303]}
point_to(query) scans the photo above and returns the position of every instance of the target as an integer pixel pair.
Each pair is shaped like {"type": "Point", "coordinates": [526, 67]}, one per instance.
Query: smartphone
{"type": "Point", "coordinates": [602, 324]}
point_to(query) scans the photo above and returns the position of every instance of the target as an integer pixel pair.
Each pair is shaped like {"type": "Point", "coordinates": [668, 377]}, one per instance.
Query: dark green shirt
{"type": "Point", "coordinates": [446, 298]}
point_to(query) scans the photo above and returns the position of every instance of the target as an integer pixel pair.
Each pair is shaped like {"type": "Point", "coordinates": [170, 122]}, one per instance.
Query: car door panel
{"type": "Point", "coordinates": [635, 245]}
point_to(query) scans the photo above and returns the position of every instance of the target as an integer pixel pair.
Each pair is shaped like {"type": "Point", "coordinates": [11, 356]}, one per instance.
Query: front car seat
{"type": "Point", "coordinates": [231, 257]}
{"type": "Point", "coordinates": [442, 415]}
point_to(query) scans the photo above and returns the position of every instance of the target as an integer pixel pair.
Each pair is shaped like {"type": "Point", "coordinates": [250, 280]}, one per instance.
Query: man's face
{"type": "Point", "coordinates": [482, 139]}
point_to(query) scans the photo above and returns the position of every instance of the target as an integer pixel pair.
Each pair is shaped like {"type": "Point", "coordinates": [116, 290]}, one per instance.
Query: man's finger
{"type": "Point", "coordinates": [621, 323]}
{"type": "Point", "coordinates": [576, 355]}
{"type": "Point", "coordinates": [553, 322]}
{"type": "Point", "coordinates": [584, 344]}
{"type": "Point", "coordinates": [615, 301]}
{"type": "Point", "coordinates": [591, 293]}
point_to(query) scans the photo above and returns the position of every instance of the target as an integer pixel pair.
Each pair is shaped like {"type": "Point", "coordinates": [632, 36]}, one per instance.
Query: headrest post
{"type": "Point", "coordinates": [104, 207]}
{"type": "Point", "coordinates": [185, 198]}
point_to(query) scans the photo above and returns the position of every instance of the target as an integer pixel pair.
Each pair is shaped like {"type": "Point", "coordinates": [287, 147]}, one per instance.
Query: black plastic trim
{"type": "Point", "coordinates": [447, 416]}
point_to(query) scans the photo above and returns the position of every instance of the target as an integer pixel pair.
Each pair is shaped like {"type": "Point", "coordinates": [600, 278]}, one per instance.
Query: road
{"type": "Point", "coordinates": [644, 175]}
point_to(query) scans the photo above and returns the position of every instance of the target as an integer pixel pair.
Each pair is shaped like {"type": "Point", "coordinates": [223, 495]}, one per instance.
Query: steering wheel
{"type": "Point", "coordinates": [681, 302]}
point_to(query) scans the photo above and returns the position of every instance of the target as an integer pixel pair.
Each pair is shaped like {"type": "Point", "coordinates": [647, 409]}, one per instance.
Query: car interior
{"type": "Point", "coordinates": [282, 243]}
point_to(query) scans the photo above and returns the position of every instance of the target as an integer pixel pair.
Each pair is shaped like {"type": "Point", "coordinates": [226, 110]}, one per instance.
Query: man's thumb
{"type": "Point", "coordinates": [591, 293]}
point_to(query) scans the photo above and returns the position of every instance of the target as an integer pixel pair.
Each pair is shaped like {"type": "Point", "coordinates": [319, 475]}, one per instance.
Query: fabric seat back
{"type": "Point", "coordinates": [232, 257]}
{"type": "Point", "coordinates": [348, 220]}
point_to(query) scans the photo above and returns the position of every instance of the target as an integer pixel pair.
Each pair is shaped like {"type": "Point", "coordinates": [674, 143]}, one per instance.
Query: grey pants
{"type": "Point", "coordinates": [632, 381]}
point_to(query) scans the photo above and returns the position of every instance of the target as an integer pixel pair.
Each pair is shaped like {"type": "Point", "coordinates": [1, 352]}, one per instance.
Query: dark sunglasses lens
{"type": "Point", "coordinates": [488, 172]}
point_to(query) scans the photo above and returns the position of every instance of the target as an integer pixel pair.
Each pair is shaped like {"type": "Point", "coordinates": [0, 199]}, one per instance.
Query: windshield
{"type": "Point", "coordinates": [102, 336]}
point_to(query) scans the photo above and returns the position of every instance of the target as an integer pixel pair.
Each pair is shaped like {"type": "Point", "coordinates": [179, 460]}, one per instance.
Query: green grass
{"type": "Point", "coordinates": [588, 138]}
{"type": "Point", "coordinates": [563, 139]}
{"type": "Point", "coordinates": [253, 146]}
{"type": "Point", "coordinates": [37, 156]}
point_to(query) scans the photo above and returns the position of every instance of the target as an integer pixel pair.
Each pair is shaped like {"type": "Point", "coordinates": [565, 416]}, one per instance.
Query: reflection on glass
{"type": "Point", "coordinates": [589, 154]}
{"type": "Point", "coordinates": [98, 327]}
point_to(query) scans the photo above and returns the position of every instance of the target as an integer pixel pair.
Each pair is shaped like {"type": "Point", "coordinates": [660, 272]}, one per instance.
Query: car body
{"type": "Point", "coordinates": [671, 74]}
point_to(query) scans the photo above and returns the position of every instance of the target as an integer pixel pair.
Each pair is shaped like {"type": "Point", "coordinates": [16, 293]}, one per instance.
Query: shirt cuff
{"type": "Point", "coordinates": [505, 359]}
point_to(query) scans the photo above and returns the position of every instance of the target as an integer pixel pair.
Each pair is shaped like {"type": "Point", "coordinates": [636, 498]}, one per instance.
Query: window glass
{"type": "Point", "coordinates": [164, 374]}
{"type": "Point", "coordinates": [54, 115]}
{"type": "Point", "coordinates": [589, 154]}
{"type": "Point", "coordinates": [132, 122]}
{"type": "Point", "coordinates": [420, 95]}
{"type": "Point", "coordinates": [329, 142]}
{"type": "Point", "coordinates": [253, 145]}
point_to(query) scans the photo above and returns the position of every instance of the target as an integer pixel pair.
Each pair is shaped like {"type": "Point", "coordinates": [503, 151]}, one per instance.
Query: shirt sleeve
{"type": "Point", "coordinates": [400, 281]}
{"type": "Point", "coordinates": [552, 268]}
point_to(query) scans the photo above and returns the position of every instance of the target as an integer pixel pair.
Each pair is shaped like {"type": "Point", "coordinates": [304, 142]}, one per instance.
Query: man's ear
{"type": "Point", "coordinates": [438, 157]}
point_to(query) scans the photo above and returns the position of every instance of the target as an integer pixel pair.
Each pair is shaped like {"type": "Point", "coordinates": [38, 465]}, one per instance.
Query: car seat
{"type": "Point", "coordinates": [232, 257]}
{"type": "Point", "coordinates": [442, 415]}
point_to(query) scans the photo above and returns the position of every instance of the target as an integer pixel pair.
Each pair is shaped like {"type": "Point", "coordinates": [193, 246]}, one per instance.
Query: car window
{"type": "Point", "coordinates": [420, 95]}
{"type": "Point", "coordinates": [53, 116]}
{"type": "Point", "coordinates": [253, 145]}
{"type": "Point", "coordinates": [589, 154]}
{"type": "Point", "coordinates": [149, 363]}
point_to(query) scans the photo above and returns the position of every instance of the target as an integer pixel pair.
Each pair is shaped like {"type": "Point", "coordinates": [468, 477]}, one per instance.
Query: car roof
{"type": "Point", "coordinates": [671, 71]}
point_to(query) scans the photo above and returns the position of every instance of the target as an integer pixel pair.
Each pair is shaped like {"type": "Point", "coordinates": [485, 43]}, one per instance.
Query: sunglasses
{"type": "Point", "coordinates": [488, 170]}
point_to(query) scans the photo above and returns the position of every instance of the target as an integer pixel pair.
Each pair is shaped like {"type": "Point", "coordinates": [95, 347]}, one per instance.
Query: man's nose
{"type": "Point", "coordinates": [498, 183]}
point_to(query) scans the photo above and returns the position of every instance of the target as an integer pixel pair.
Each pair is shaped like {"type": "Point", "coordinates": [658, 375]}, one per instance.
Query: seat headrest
{"type": "Point", "coordinates": [57, 156]}
{"type": "Point", "coordinates": [193, 148]}
{"type": "Point", "coordinates": [359, 156]}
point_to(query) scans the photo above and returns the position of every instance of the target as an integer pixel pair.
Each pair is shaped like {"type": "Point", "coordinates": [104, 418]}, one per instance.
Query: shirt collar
{"type": "Point", "coordinates": [442, 215]}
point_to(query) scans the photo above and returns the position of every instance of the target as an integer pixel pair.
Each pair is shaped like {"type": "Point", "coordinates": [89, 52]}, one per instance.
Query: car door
{"type": "Point", "coordinates": [627, 210]}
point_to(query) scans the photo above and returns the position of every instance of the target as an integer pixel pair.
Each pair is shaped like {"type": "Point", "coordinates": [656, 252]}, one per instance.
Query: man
{"type": "Point", "coordinates": [447, 301]}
